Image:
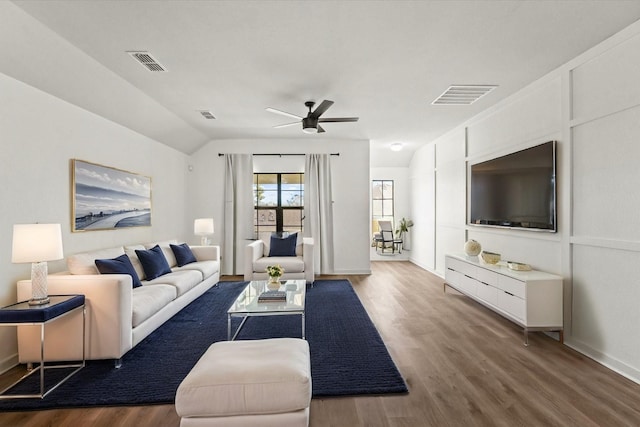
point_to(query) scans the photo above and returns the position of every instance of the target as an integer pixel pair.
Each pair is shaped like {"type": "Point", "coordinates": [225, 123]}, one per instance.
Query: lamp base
{"type": "Point", "coordinates": [39, 301]}
{"type": "Point", "coordinates": [205, 241]}
{"type": "Point", "coordinates": [39, 284]}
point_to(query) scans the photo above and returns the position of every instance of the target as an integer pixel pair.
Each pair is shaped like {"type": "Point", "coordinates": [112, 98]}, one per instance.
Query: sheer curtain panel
{"type": "Point", "coordinates": [238, 210]}
{"type": "Point", "coordinates": [318, 206]}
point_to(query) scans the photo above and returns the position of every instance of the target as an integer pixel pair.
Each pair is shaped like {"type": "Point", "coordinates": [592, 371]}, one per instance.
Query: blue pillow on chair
{"type": "Point", "coordinates": [153, 262]}
{"type": "Point", "coordinates": [285, 246]}
{"type": "Point", "coordinates": [119, 265]}
{"type": "Point", "coordinates": [183, 254]}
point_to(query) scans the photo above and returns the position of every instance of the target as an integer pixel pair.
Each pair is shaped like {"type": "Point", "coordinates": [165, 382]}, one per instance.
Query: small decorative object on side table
{"type": "Point", "coordinates": [472, 248]}
{"type": "Point", "coordinates": [274, 272]}
{"type": "Point", "coordinates": [490, 257]}
{"type": "Point", "coordinates": [23, 313]}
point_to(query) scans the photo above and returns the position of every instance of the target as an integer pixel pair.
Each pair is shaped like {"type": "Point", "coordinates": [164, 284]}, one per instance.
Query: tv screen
{"type": "Point", "coordinates": [516, 191]}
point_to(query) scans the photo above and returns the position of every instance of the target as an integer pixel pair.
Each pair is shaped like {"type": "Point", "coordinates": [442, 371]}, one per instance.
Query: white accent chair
{"type": "Point", "coordinates": [385, 238]}
{"type": "Point", "coordinates": [301, 266]}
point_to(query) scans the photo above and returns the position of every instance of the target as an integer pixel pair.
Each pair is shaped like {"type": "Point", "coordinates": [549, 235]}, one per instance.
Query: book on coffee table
{"type": "Point", "coordinates": [268, 296]}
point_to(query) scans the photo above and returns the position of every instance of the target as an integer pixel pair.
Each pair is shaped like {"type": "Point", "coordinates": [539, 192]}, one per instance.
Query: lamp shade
{"type": "Point", "coordinates": [36, 243]}
{"type": "Point", "coordinates": [203, 226]}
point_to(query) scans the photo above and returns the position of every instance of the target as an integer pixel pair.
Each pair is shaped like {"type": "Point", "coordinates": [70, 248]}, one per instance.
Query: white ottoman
{"type": "Point", "coordinates": [248, 383]}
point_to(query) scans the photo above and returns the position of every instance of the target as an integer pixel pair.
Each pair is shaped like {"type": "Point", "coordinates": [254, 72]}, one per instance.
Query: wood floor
{"type": "Point", "coordinates": [464, 365]}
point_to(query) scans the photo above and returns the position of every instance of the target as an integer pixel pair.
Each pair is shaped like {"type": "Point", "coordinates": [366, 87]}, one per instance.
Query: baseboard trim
{"type": "Point", "coordinates": [8, 363]}
{"type": "Point", "coordinates": [424, 267]}
{"type": "Point", "coordinates": [350, 272]}
{"type": "Point", "coordinates": [615, 365]}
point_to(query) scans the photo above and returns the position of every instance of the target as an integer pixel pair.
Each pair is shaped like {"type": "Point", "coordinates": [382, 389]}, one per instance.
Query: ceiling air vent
{"type": "Point", "coordinates": [207, 114]}
{"type": "Point", "coordinates": [463, 94]}
{"type": "Point", "coordinates": [148, 61]}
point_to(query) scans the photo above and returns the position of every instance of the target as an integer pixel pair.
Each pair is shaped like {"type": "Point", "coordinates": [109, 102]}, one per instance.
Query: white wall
{"type": "Point", "coordinates": [591, 106]}
{"type": "Point", "coordinates": [350, 187]}
{"type": "Point", "coordinates": [40, 134]}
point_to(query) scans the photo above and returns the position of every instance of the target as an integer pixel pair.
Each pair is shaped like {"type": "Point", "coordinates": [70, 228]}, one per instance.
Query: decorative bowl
{"type": "Point", "coordinates": [518, 266]}
{"type": "Point", "coordinates": [490, 257]}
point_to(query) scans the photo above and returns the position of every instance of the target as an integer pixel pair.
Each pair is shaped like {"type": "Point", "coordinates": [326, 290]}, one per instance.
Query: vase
{"type": "Point", "coordinates": [273, 283]}
{"type": "Point", "coordinates": [472, 248]}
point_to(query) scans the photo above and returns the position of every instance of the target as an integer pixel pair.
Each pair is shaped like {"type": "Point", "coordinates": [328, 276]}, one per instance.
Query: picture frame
{"type": "Point", "coordinates": [106, 198]}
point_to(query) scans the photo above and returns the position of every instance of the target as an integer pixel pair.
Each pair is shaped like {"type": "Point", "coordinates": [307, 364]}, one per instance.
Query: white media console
{"type": "Point", "coordinates": [531, 299]}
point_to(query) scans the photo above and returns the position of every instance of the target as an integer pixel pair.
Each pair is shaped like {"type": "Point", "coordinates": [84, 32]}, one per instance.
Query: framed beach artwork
{"type": "Point", "coordinates": [106, 198]}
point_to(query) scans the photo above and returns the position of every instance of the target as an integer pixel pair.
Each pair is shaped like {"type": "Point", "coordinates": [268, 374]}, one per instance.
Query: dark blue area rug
{"type": "Point", "coordinates": [348, 356]}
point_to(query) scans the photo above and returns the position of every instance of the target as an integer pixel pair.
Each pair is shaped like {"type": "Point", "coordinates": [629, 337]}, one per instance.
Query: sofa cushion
{"type": "Point", "coordinates": [153, 262]}
{"type": "Point", "coordinates": [135, 261]}
{"type": "Point", "coordinates": [285, 246]}
{"type": "Point", "coordinates": [148, 300]}
{"type": "Point", "coordinates": [289, 263]}
{"type": "Point", "coordinates": [85, 262]}
{"type": "Point", "coordinates": [183, 254]}
{"type": "Point", "coordinates": [118, 265]}
{"type": "Point", "coordinates": [266, 246]}
{"type": "Point", "coordinates": [182, 280]}
{"type": "Point", "coordinates": [207, 268]}
{"type": "Point", "coordinates": [166, 250]}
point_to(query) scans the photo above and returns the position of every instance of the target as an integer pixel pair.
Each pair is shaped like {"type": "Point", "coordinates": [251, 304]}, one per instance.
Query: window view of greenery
{"type": "Point", "coordinates": [279, 203]}
{"type": "Point", "coordinates": [381, 201]}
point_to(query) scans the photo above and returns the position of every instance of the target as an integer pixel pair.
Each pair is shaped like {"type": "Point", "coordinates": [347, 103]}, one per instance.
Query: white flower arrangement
{"type": "Point", "coordinates": [275, 270]}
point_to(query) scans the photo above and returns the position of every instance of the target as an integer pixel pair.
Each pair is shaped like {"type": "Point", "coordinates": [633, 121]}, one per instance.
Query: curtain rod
{"type": "Point", "coordinates": [279, 154]}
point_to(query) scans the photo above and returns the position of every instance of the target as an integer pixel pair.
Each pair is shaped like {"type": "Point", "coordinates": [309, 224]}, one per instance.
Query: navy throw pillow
{"type": "Point", "coordinates": [183, 254]}
{"type": "Point", "coordinates": [153, 262]}
{"type": "Point", "coordinates": [119, 265]}
{"type": "Point", "coordinates": [285, 246]}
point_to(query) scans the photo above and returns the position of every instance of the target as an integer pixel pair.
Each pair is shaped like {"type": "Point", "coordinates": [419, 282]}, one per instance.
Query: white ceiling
{"type": "Point", "coordinates": [383, 61]}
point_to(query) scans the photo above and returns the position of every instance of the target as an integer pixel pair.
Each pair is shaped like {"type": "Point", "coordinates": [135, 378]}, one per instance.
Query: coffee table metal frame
{"type": "Point", "coordinates": [55, 299]}
{"type": "Point", "coordinates": [247, 305]}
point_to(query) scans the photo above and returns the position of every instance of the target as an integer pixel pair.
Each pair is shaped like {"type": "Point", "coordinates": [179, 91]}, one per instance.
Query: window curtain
{"type": "Point", "coordinates": [318, 206]}
{"type": "Point", "coordinates": [238, 210]}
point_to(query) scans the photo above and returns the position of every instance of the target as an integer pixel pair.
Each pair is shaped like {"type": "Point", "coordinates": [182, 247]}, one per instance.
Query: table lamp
{"type": "Point", "coordinates": [37, 244]}
{"type": "Point", "coordinates": [203, 227]}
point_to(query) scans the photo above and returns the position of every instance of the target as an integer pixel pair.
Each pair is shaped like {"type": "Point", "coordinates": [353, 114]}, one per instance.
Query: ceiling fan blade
{"type": "Point", "coordinates": [286, 124]}
{"type": "Point", "coordinates": [339, 119]}
{"type": "Point", "coordinates": [320, 129]}
{"type": "Point", "coordinates": [324, 106]}
{"type": "Point", "coordinates": [284, 113]}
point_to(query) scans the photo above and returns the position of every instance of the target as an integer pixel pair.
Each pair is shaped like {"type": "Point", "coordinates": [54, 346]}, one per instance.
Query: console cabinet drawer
{"type": "Point", "coordinates": [462, 267]}
{"type": "Point", "coordinates": [453, 277]}
{"type": "Point", "coordinates": [512, 304]}
{"type": "Point", "coordinates": [488, 293]}
{"type": "Point", "coordinates": [469, 285]}
{"type": "Point", "coordinates": [513, 286]}
{"type": "Point", "coordinates": [487, 276]}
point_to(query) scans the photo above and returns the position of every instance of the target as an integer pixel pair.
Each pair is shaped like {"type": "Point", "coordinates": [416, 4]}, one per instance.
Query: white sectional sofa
{"type": "Point", "coordinates": [119, 316]}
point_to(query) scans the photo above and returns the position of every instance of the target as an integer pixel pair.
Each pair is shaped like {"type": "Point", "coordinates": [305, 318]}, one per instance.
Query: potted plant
{"type": "Point", "coordinates": [402, 229]}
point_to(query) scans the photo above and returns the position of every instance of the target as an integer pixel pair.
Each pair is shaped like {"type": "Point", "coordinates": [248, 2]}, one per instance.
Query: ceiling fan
{"type": "Point", "coordinates": [310, 124]}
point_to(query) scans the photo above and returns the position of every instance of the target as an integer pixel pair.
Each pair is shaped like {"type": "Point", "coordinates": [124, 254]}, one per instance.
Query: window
{"type": "Point", "coordinates": [279, 203]}
{"type": "Point", "coordinates": [381, 201]}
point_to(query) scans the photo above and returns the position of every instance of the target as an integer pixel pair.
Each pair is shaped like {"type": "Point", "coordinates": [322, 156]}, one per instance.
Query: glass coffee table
{"type": "Point", "coordinates": [247, 305]}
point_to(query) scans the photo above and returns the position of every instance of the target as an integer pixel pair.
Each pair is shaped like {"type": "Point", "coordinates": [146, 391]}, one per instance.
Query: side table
{"type": "Point", "coordinates": [22, 313]}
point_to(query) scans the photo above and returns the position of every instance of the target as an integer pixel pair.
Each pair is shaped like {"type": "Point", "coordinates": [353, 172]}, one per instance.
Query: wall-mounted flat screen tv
{"type": "Point", "coordinates": [516, 191]}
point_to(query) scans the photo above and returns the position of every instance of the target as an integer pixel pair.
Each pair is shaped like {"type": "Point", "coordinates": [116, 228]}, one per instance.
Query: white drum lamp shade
{"type": "Point", "coordinates": [203, 227]}
{"type": "Point", "coordinates": [37, 244]}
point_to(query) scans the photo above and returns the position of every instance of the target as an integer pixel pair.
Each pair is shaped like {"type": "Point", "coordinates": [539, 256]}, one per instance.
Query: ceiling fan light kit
{"type": "Point", "coordinates": [310, 123]}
